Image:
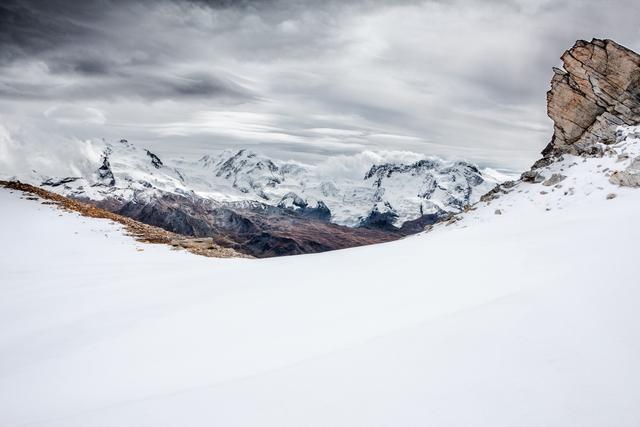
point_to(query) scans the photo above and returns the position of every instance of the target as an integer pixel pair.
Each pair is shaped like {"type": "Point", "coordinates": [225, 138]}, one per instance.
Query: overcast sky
{"type": "Point", "coordinates": [296, 79]}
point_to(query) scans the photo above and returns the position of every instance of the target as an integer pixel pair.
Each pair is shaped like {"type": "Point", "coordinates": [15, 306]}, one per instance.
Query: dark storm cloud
{"type": "Point", "coordinates": [122, 85]}
{"type": "Point", "coordinates": [84, 42]}
{"type": "Point", "coordinates": [458, 78]}
{"type": "Point", "coordinates": [87, 66]}
{"type": "Point", "coordinates": [34, 26]}
{"type": "Point", "coordinates": [26, 30]}
{"type": "Point", "coordinates": [233, 3]}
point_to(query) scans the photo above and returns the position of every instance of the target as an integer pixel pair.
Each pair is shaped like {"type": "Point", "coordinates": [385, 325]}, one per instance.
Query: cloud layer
{"type": "Point", "coordinates": [296, 79]}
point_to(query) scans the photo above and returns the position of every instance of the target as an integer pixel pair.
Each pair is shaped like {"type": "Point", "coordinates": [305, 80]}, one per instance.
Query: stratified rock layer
{"type": "Point", "coordinates": [598, 90]}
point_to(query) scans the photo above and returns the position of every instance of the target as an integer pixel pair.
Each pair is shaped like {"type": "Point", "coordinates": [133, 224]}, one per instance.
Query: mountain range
{"type": "Point", "coordinates": [265, 207]}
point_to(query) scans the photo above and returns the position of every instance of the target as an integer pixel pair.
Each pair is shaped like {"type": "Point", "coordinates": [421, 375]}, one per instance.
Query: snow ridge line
{"type": "Point", "coordinates": [141, 232]}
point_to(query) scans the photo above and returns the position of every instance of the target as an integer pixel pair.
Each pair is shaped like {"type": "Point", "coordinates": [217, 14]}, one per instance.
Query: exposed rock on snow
{"type": "Point", "coordinates": [56, 183]}
{"type": "Point", "coordinates": [630, 177]}
{"type": "Point", "coordinates": [105, 175]}
{"type": "Point", "coordinates": [614, 174]}
{"type": "Point", "coordinates": [584, 175]}
{"type": "Point", "coordinates": [155, 160]}
{"type": "Point", "coordinates": [291, 201]}
{"type": "Point", "coordinates": [382, 219]}
{"type": "Point", "coordinates": [532, 176]}
{"type": "Point", "coordinates": [555, 179]}
{"type": "Point", "coordinates": [598, 90]}
{"type": "Point", "coordinates": [592, 102]}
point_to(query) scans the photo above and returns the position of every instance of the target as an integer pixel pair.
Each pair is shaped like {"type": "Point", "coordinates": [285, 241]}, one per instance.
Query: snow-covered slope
{"type": "Point", "coordinates": [125, 172]}
{"type": "Point", "coordinates": [527, 317]}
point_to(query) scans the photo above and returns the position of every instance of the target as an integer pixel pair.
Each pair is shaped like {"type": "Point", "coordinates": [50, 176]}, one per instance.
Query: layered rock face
{"type": "Point", "coordinates": [598, 90]}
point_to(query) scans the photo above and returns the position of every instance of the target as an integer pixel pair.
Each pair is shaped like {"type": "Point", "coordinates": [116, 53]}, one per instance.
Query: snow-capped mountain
{"type": "Point", "coordinates": [396, 192]}
{"type": "Point", "coordinates": [265, 207]}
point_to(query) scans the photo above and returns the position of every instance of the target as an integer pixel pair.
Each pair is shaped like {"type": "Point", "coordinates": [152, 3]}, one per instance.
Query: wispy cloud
{"type": "Point", "coordinates": [297, 79]}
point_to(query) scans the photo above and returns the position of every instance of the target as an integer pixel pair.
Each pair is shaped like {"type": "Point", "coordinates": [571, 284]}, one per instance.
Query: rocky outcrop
{"type": "Point", "coordinates": [380, 220]}
{"type": "Point", "coordinates": [105, 175]}
{"type": "Point", "coordinates": [291, 201]}
{"type": "Point", "coordinates": [594, 103]}
{"type": "Point", "coordinates": [555, 178]}
{"type": "Point", "coordinates": [50, 182]}
{"type": "Point", "coordinates": [598, 90]}
{"type": "Point", "coordinates": [155, 160]}
{"type": "Point", "coordinates": [630, 177]}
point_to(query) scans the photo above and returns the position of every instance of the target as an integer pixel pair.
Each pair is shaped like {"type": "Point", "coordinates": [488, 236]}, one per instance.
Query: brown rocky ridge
{"type": "Point", "coordinates": [140, 231]}
{"type": "Point", "coordinates": [259, 231]}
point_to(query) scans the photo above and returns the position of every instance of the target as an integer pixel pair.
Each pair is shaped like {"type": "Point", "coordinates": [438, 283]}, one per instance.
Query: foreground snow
{"type": "Point", "coordinates": [527, 318]}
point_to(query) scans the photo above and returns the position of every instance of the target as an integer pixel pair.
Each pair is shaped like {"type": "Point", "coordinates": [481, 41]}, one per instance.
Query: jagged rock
{"type": "Point", "coordinates": [381, 220]}
{"type": "Point", "coordinates": [58, 182]}
{"type": "Point", "coordinates": [424, 223]}
{"type": "Point", "coordinates": [498, 212]}
{"type": "Point", "coordinates": [491, 195]}
{"type": "Point", "coordinates": [105, 175]}
{"type": "Point", "coordinates": [598, 90]}
{"type": "Point", "coordinates": [532, 176]}
{"type": "Point", "coordinates": [630, 177]}
{"type": "Point", "coordinates": [555, 178]}
{"type": "Point", "coordinates": [503, 188]}
{"type": "Point", "coordinates": [155, 160]}
{"type": "Point", "coordinates": [187, 243]}
{"type": "Point", "coordinates": [321, 212]}
{"type": "Point", "coordinates": [543, 162]}
{"type": "Point", "coordinates": [611, 196]}
{"type": "Point", "coordinates": [625, 179]}
{"type": "Point", "coordinates": [291, 201]}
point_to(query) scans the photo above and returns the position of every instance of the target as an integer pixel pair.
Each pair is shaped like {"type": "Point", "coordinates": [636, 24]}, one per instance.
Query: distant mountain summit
{"type": "Point", "coordinates": [245, 196]}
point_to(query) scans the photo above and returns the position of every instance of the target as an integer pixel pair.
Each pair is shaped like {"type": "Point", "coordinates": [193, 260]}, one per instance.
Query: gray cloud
{"type": "Point", "coordinates": [297, 78]}
{"type": "Point", "coordinates": [119, 85]}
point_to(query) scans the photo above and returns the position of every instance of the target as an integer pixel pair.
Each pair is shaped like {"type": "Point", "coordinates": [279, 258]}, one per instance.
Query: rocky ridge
{"type": "Point", "coordinates": [140, 231]}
